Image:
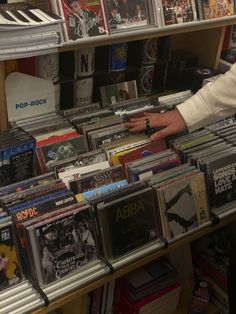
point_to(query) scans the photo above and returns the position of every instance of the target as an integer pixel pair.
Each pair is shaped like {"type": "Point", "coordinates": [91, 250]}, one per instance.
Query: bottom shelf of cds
{"type": "Point", "coordinates": [26, 297]}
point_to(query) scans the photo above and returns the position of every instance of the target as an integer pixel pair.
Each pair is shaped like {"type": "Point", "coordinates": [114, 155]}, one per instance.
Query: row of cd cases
{"type": "Point", "coordinates": [28, 297]}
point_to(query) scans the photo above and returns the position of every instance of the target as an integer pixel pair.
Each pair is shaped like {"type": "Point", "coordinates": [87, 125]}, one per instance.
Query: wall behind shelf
{"type": "Point", "coordinates": [206, 44]}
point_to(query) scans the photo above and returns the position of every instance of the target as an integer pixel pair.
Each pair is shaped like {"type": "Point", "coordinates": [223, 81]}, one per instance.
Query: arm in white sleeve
{"type": "Point", "coordinates": [210, 103]}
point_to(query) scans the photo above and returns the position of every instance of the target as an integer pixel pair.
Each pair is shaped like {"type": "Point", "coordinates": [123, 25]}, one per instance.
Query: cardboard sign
{"type": "Point", "coordinates": [28, 96]}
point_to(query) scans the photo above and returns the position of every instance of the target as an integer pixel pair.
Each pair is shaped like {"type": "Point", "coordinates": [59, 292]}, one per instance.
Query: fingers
{"type": "Point", "coordinates": [139, 124]}
{"type": "Point", "coordinates": [136, 126]}
{"type": "Point", "coordinates": [150, 114]}
{"type": "Point", "coordinates": [161, 134]}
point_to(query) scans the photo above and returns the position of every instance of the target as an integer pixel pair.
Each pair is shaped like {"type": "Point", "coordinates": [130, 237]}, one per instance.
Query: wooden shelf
{"type": "Point", "coordinates": [148, 32]}
{"type": "Point", "coordinates": [132, 264]}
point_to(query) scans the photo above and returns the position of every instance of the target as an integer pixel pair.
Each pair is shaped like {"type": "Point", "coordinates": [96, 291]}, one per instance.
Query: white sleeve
{"type": "Point", "coordinates": [213, 101]}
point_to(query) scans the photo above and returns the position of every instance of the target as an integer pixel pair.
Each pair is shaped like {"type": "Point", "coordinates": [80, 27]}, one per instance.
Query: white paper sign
{"type": "Point", "coordinates": [28, 96]}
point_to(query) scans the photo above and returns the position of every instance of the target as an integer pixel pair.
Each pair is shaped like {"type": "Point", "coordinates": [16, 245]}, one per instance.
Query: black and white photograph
{"type": "Point", "coordinates": [126, 14]}
{"type": "Point", "coordinates": [65, 243]}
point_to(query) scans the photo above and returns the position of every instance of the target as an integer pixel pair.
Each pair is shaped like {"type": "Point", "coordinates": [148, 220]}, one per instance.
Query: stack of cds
{"type": "Point", "coordinates": [25, 30]}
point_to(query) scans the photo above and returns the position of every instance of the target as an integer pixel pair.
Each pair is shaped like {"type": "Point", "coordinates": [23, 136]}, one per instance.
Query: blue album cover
{"type": "Point", "coordinates": [35, 201]}
{"type": "Point", "coordinates": [17, 162]}
{"type": "Point", "coordinates": [103, 189]}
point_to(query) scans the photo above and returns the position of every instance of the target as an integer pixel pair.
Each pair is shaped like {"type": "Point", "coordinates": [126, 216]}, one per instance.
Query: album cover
{"type": "Point", "coordinates": [10, 270]}
{"type": "Point", "coordinates": [82, 160]}
{"type": "Point", "coordinates": [210, 9]}
{"type": "Point", "coordinates": [131, 106]}
{"type": "Point", "coordinates": [77, 172]}
{"type": "Point", "coordinates": [126, 15]}
{"type": "Point", "coordinates": [220, 170]}
{"type": "Point", "coordinates": [163, 177]}
{"type": "Point", "coordinates": [17, 197]}
{"type": "Point", "coordinates": [98, 125]}
{"type": "Point", "coordinates": [81, 110]}
{"type": "Point", "coordinates": [168, 153]}
{"type": "Point", "coordinates": [112, 94]}
{"type": "Point", "coordinates": [179, 11]}
{"type": "Point", "coordinates": [141, 151]}
{"type": "Point", "coordinates": [115, 158]}
{"type": "Point", "coordinates": [123, 144]}
{"type": "Point", "coordinates": [127, 223]}
{"type": "Point", "coordinates": [49, 154]}
{"type": "Point", "coordinates": [96, 179]}
{"type": "Point", "coordinates": [44, 206]}
{"type": "Point", "coordinates": [41, 136]}
{"type": "Point", "coordinates": [197, 158]}
{"type": "Point", "coordinates": [183, 205]}
{"type": "Point", "coordinates": [63, 244]}
{"type": "Point", "coordinates": [17, 158]}
{"type": "Point", "coordinates": [52, 138]}
{"type": "Point", "coordinates": [107, 135]}
{"type": "Point", "coordinates": [81, 119]}
{"type": "Point", "coordinates": [28, 216]}
{"type": "Point", "coordinates": [87, 195]}
{"type": "Point", "coordinates": [151, 168]}
{"type": "Point", "coordinates": [26, 184]}
{"type": "Point", "coordinates": [82, 19]}
{"type": "Point", "coordinates": [24, 204]}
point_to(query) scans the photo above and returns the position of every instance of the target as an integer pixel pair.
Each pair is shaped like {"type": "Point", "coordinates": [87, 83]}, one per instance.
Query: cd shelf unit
{"type": "Point", "coordinates": [23, 298]}
{"type": "Point", "coordinates": [205, 39]}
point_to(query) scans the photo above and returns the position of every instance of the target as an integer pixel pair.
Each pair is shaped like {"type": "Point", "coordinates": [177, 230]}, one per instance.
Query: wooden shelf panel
{"type": "Point", "coordinates": [150, 32]}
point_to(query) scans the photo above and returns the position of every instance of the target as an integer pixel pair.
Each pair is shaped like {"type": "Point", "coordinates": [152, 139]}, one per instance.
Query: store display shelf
{"type": "Point", "coordinates": [23, 298]}
{"type": "Point", "coordinates": [132, 35]}
{"type": "Point", "coordinates": [148, 32]}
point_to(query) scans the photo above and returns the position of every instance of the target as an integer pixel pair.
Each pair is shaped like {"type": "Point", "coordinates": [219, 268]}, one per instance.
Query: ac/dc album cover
{"type": "Point", "coordinates": [63, 244]}
{"type": "Point", "coordinates": [127, 223]}
{"type": "Point", "coordinates": [10, 271]}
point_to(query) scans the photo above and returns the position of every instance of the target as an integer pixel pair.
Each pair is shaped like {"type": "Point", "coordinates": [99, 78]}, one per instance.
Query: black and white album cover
{"type": "Point", "coordinates": [122, 15]}
{"type": "Point", "coordinates": [63, 244]}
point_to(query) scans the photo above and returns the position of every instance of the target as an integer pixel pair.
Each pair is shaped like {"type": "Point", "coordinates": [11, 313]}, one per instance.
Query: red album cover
{"type": "Point", "coordinates": [145, 150]}
{"type": "Point", "coordinates": [54, 139]}
{"type": "Point", "coordinates": [83, 18]}
{"type": "Point", "coordinates": [50, 153]}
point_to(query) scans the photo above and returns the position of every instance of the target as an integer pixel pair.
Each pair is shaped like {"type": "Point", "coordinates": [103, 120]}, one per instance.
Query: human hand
{"type": "Point", "coordinates": [169, 122]}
